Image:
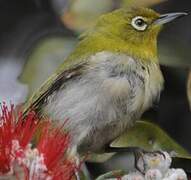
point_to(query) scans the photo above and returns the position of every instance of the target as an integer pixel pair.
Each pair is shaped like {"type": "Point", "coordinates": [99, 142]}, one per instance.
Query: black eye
{"type": "Point", "coordinates": [139, 23]}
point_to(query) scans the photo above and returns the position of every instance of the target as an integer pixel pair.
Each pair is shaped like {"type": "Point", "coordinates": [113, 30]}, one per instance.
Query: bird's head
{"type": "Point", "coordinates": [133, 31]}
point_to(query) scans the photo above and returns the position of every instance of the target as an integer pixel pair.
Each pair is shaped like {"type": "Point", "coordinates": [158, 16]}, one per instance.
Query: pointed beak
{"type": "Point", "coordinates": [165, 18]}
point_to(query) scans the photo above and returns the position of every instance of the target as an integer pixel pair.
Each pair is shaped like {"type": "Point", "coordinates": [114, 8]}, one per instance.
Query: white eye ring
{"type": "Point", "coordinates": [139, 23]}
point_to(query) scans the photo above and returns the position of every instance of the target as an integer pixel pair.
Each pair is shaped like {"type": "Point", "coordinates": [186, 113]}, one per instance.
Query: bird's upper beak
{"type": "Point", "coordinates": [165, 18]}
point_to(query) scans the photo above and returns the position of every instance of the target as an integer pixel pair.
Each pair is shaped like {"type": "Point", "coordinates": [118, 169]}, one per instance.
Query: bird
{"type": "Point", "coordinates": [111, 78]}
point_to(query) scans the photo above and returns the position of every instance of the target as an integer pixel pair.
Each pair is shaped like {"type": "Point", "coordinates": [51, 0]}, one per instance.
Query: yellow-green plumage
{"type": "Point", "coordinates": [109, 80]}
{"type": "Point", "coordinates": [113, 32]}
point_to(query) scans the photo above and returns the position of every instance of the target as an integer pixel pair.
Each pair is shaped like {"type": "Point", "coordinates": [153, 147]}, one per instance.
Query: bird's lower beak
{"type": "Point", "coordinates": [165, 18]}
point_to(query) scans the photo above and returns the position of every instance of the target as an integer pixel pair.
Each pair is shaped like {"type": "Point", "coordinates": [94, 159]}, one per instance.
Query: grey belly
{"type": "Point", "coordinates": [105, 100]}
{"type": "Point", "coordinates": [94, 118]}
{"type": "Point", "coordinates": [99, 139]}
{"type": "Point", "coordinates": [97, 111]}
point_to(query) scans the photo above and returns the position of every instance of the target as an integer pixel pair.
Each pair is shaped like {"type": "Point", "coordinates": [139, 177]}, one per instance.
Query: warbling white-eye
{"type": "Point", "coordinates": [109, 80]}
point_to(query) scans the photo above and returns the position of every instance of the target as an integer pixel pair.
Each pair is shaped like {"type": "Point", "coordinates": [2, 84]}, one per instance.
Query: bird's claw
{"type": "Point", "coordinates": [139, 153]}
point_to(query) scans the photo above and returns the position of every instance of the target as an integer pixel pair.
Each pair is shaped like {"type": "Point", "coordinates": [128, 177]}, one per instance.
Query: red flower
{"type": "Point", "coordinates": [53, 144]}
{"type": "Point", "coordinates": [12, 128]}
{"type": "Point", "coordinates": [47, 160]}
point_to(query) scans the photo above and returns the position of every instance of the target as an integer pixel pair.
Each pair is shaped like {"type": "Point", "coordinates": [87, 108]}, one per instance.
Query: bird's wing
{"type": "Point", "coordinates": [54, 83]}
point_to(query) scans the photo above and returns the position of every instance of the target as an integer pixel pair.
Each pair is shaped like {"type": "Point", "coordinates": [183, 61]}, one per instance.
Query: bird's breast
{"type": "Point", "coordinates": [113, 92]}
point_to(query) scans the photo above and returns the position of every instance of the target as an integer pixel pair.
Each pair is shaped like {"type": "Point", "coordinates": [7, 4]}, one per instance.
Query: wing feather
{"type": "Point", "coordinates": [53, 84]}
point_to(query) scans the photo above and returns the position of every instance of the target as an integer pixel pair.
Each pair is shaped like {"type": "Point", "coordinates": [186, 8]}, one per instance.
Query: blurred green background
{"type": "Point", "coordinates": [37, 35]}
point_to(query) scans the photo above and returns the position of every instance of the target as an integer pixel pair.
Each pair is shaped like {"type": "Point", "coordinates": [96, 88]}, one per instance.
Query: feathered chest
{"type": "Point", "coordinates": [129, 84]}
{"type": "Point", "coordinates": [111, 93]}
{"type": "Point", "coordinates": [112, 86]}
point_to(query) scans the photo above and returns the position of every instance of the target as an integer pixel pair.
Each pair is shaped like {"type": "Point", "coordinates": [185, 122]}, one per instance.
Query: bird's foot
{"type": "Point", "coordinates": [140, 155]}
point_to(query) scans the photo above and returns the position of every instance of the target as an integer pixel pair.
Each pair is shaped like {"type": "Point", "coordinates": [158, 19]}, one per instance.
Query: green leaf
{"type": "Point", "coordinates": [145, 135]}
{"type": "Point", "coordinates": [150, 137]}
{"type": "Point", "coordinates": [82, 176]}
{"type": "Point", "coordinates": [99, 158]}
